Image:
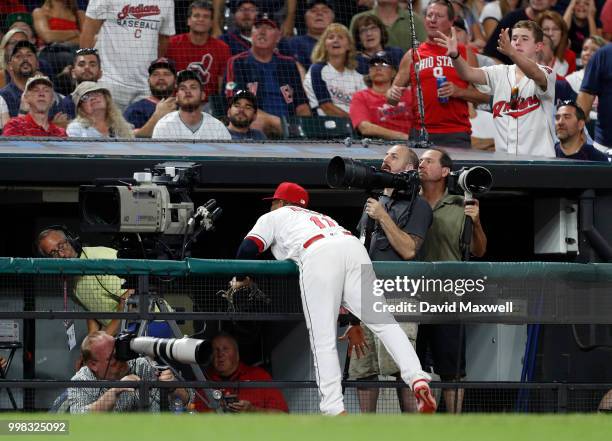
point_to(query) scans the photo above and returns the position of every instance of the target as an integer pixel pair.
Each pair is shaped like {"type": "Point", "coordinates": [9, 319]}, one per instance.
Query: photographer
{"type": "Point", "coordinates": [95, 293]}
{"type": "Point", "coordinates": [98, 352]}
{"type": "Point", "coordinates": [226, 366]}
{"type": "Point", "coordinates": [446, 343]}
{"type": "Point", "coordinates": [401, 226]}
{"type": "Point", "coordinates": [101, 293]}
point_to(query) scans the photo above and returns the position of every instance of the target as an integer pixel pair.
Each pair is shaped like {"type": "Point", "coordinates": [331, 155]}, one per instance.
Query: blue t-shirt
{"type": "Point", "coordinates": [139, 112]}
{"type": "Point", "coordinates": [238, 44]}
{"type": "Point", "coordinates": [277, 84]}
{"type": "Point", "coordinates": [66, 105]}
{"type": "Point", "coordinates": [586, 153]}
{"type": "Point", "coordinates": [250, 134]}
{"type": "Point", "coordinates": [395, 53]}
{"type": "Point", "coordinates": [301, 48]}
{"type": "Point", "coordinates": [598, 81]}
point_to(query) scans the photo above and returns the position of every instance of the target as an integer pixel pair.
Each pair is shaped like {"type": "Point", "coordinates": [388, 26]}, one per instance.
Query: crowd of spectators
{"type": "Point", "coordinates": [355, 60]}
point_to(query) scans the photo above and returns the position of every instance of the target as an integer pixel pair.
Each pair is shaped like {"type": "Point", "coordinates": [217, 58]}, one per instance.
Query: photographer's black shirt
{"type": "Point", "coordinates": [415, 221]}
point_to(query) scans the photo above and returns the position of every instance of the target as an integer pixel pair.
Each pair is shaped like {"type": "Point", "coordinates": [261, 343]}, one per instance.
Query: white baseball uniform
{"type": "Point", "coordinates": [524, 126]}
{"type": "Point", "coordinates": [333, 264]}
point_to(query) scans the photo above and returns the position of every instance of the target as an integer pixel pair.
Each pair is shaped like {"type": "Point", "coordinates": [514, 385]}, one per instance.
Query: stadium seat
{"type": "Point", "coordinates": [316, 127]}
{"type": "Point", "coordinates": [218, 105]}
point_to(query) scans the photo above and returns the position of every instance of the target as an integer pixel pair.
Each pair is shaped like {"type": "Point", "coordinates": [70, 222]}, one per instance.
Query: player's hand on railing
{"type": "Point", "coordinates": [356, 341]}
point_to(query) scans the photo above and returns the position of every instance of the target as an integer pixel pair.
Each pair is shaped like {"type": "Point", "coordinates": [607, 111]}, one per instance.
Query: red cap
{"type": "Point", "coordinates": [291, 192]}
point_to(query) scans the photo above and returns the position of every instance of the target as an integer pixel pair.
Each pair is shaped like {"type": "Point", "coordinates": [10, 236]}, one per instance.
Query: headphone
{"type": "Point", "coordinates": [72, 239]}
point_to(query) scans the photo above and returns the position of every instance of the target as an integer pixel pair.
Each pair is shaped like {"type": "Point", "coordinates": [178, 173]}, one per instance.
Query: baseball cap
{"type": "Point", "coordinates": [265, 19]}
{"type": "Point", "coordinates": [84, 88]}
{"type": "Point", "coordinates": [290, 192]}
{"type": "Point", "coordinates": [13, 18]}
{"type": "Point", "coordinates": [459, 23]}
{"type": "Point", "coordinates": [242, 2]}
{"type": "Point", "coordinates": [244, 95]}
{"type": "Point", "coordinates": [23, 43]}
{"type": "Point", "coordinates": [187, 74]}
{"type": "Point", "coordinates": [381, 57]}
{"type": "Point", "coordinates": [164, 63]}
{"type": "Point", "coordinates": [36, 79]}
{"type": "Point", "coordinates": [312, 3]}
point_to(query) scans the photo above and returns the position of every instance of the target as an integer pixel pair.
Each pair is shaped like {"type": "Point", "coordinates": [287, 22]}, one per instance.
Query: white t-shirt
{"type": "Point", "coordinates": [323, 84]}
{"type": "Point", "coordinates": [288, 228]}
{"type": "Point", "coordinates": [491, 10]}
{"type": "Point", "coordinates": [527, 129]}
{"type": "Point", "coordinates": [4, 113]}
{"type": "Point", "coordinates": [172, 126]}
{"type": "Point", "coordinates": [128, 39]}
{"type": "Point", "coordinates": [77, 130]}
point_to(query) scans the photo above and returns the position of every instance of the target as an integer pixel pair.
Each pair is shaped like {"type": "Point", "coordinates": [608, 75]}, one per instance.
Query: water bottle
{"type": "Point", "coordinates": [439, 83]}
{"type": "Point", "coordinates": [178, 405]}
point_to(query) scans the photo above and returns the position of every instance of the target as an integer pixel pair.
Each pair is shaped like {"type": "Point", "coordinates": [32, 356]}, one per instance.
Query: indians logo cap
{"type": "Point", "coordinates": [291, 192]}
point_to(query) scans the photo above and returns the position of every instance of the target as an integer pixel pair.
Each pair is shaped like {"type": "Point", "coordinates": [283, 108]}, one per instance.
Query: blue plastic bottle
{"type": "Point", "coordinates": [439, 83]}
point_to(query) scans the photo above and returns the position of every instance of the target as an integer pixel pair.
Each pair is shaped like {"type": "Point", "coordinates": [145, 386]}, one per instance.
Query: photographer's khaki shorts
{"type": "Point", "coordinates": [377, 360]}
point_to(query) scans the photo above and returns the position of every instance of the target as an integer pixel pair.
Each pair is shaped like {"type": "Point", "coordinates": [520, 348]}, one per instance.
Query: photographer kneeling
{"type": "Point", "coordinates": [401, 222]}
{"type": "Point", "coordinates": [99, 363]}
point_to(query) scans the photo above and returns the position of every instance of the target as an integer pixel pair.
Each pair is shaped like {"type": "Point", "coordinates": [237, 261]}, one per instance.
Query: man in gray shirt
{"type": "Point", "coordinates": [401, 224]}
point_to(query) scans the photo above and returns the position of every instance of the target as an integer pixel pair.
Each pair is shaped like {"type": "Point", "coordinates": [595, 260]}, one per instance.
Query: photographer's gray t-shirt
{"type": "Point", "coordinates": [415, 221]}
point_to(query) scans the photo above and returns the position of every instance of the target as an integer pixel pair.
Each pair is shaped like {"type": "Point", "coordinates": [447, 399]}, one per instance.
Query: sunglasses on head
{"type": "Point", "coordinates": [87, 51]}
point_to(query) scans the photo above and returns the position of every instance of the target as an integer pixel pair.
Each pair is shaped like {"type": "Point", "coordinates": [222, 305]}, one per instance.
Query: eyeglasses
{"type": "Point", "coordinates": [61, 247]}
{"type": "Point", "coordinates": [90, 95]}
{"type": "Point", "coordinates": [367, 29]}
{"type": "Point", "coordinates": [571, 103]}
{"type": "Point", "coordinates": [87, 51]}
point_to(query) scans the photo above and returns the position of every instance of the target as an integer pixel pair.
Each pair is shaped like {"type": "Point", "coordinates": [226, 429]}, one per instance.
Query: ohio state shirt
{"type": "Point", "coordinates": [523, 124]}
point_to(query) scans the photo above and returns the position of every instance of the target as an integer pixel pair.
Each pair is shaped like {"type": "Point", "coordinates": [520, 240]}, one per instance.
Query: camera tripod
{"type": "Point", "coordinates": [158, 304]}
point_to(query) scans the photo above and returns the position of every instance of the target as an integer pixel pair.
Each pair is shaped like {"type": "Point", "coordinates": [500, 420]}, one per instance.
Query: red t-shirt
{"type": "Point", "coordinates": [439, 118]}
{"type": "Point", "coordinates": [24, 125]}
{"type": "Point", "coordinates": [367, 105]}
{"type": "Point", "coordinates": [210, 59]}
{"type": "Point", "coordinates": [269, 398]}
{"type": "Point", "coordinates": [606, 17]}
{"type": "Point", "coordinates": [570, 57]}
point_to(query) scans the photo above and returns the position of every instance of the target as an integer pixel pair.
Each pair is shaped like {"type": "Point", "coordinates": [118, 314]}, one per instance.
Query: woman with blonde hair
{"type": "Point", "coordinates": [332, 79]}
{"type": "Point", "coordinates": [552, 24]}
{"type": "Point", "coordinates": [97, 115]}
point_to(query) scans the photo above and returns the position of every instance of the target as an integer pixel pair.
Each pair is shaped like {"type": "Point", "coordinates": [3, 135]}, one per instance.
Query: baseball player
{"type": "Point", "coordinates": [523, 93]}
{"type": "Point", "coordinates": [334, 266]}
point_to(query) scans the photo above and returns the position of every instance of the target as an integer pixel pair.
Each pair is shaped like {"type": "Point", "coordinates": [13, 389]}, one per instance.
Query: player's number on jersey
{"type": "Point", "coordinates": [438, 71]}
{"type": "Point", "coordinates": [321, 221]}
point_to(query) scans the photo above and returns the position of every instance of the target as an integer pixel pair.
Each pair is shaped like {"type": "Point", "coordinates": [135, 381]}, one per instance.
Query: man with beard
{"type": "Point", "coordinates": [145, 114]}
{"type": "Point", "coordinates": [189, 122]}
{"type": "Point", "coordinates": [38, 96]}
{"type": "Point", "coordinates": [198, 50]}
{"type": "Point", "coordinates": [23, 64]}
{"type": "Point", "coordinates": [99, 363]}
{"type": "Point", "coordinates": [85, 67]}
{"type": "Point", "coordinates": [241, 113]}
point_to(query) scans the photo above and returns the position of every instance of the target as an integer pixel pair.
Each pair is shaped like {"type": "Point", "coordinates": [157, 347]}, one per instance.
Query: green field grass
{"type": "Point", "coordinates": [187, 427]}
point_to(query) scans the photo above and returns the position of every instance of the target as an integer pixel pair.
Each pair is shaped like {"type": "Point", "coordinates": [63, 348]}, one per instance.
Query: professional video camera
{"type": "Point", "coordinates": [181, 350]}
{"type": "Point", "coordinates": [472, 181]}
{"type": "Point", "coordinates": [347, 173]}
{"type": "Point", "coordinates": [154, 203]}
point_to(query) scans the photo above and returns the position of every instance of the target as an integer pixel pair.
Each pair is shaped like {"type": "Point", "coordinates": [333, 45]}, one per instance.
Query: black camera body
{"type": "Point", "coordinates": [350, 173]}
{"type": "Point", "coordinates": [470, 181]}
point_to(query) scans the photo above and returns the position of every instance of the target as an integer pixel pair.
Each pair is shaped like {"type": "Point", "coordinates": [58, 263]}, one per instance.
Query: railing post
{"type": "Point", "coordinates": [562, 398]}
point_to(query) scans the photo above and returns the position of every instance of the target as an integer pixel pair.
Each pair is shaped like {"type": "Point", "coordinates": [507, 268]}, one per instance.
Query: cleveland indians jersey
{"type": "Point", "coordinates": [523, 119]}
{"type": "Point", "coordinates": [450, 117]}
{"type": "Point", "coordinates": [288, 229]}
